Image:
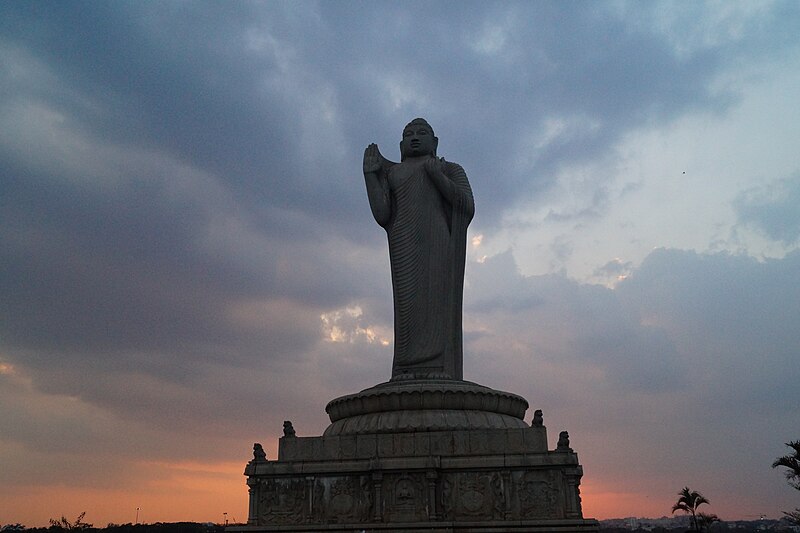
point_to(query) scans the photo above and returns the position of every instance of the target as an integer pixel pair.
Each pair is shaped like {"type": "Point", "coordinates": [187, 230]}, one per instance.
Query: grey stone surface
{"type": "Point", "coordinates": [478, 480]}
{"type": "Point", "coordinates": [425, 205]}
{"type": "Point", "coordinates": [526, 440]}
{"type": "Point", "coordinates": [425, 405]}
{"type": "Point", "coordinates": [442, 526]}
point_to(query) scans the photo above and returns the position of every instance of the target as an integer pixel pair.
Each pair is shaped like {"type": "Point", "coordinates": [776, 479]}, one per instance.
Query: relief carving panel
{"type": "Point", "coordinates": [342, 499]}
{"type": "Point", "coordinates": [538, 495]}
{"type": "Point", "coordinates": [281, 501]}
{"type": "Point", "coordinates": [473, 496]}
{"type": "Point", "coordinates": [405, 499]}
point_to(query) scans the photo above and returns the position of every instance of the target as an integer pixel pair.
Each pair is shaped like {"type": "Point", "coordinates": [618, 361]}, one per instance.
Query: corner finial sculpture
{"type": "Point", "coordinates": [258, 452]}
{"type": "Point", "coordinates": [425, 205]}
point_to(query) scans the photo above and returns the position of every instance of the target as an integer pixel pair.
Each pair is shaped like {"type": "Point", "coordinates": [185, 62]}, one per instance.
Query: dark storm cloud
{"type": "Point", "coordinates": [681, 319]}
{"type": "Point", "coordinates": [773, 209]}
{"type": "Point", "coordinates": [230, 89]}
{"type": "Point", "coordinates": [614, 269]}
{"type": "Point", "coordinates": [227, 92]}
{"type": "Point", "coordinates": [551, 318]}
{"type": "Point", "coordinates": [736, 310]}
{"type": "Point", "coordinates": [130, 264]}
{"type": "Point", "coordinates": [186, 81]}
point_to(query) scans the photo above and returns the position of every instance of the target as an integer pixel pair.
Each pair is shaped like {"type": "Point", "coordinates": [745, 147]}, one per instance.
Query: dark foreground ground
{"type": "Point", "coordinates": [624, 525]}
{"type": "Point", "coordinates": [173, 527]}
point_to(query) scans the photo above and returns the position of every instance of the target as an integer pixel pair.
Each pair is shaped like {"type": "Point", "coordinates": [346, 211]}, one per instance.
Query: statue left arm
{"type": "Point", "coordinates": [451, 181]}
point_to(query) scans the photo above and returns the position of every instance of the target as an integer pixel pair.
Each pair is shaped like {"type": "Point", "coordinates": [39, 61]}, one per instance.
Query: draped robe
{"type": "Point", "coordinates": [427, 234]}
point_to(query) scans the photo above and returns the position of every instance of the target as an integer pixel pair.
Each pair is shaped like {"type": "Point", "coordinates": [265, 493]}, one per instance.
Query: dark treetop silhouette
{"type": "Point", "coordinates": [425, 205]}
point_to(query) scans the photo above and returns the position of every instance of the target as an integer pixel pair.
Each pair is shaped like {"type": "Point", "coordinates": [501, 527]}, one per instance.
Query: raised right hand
{"type": "Point", "coordinates": [372, 159]}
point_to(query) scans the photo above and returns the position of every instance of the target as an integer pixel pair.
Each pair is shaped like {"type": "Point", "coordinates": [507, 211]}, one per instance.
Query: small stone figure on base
{"type": "Point", "coordinates": [563, 442]}
{"type": "Point", "coordinates": [288, 429]}
{"type": "Point", "coordinates": [258, 452]}
{"type": "Point", "coordinates": [538, 419]}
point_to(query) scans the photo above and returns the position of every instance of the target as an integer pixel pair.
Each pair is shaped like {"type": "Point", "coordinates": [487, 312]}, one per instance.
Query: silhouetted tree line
{"type": "Point", "coordinates": [756, 526]}
{"type": "Point", "coordinates": [737, 526]}
{"type": "Point", "coordinates": [57, 526]}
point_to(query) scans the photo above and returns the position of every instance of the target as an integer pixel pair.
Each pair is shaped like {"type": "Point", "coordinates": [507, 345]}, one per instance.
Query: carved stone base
{"type": "Point", "coordinates": [415, 478]}
{"type": "Point", "coordinates": [425, 405]}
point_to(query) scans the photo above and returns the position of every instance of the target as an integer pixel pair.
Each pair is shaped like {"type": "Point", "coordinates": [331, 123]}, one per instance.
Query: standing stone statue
{"type": "Point", "coordinates": [424, 450]}
{"type": "Point", "coordinates": [425, 205]}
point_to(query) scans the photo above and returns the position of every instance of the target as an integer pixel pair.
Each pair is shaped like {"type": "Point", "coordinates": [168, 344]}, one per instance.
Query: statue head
{"type": "Point", "coordinates": [418, 139]}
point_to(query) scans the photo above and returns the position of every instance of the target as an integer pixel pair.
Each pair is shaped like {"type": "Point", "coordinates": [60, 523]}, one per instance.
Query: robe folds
{"type": "Point", "coordinates": [427, 233]}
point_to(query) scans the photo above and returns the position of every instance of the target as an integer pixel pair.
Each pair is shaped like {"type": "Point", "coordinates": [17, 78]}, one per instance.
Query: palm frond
{"type": "Point", "coordinates": [791, 463]}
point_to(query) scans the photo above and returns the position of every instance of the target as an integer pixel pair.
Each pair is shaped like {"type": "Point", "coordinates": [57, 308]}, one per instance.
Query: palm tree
{"type": "Point", "coordinates": [705, 521]}
{"type": "Point", "coordinates": [792, 464]}
{"type": "Point", "coordinates": [688, 502]}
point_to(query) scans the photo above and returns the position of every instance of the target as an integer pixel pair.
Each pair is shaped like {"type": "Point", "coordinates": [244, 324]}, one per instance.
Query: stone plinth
{"type": "Point", "coordinates": [406, 406]}
{"type": "Point", "coordinates": [419, 456]}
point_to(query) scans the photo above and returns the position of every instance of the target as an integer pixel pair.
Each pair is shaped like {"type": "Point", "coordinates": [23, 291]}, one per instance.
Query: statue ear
{"type": "Point", "coordinates": [435, 145]}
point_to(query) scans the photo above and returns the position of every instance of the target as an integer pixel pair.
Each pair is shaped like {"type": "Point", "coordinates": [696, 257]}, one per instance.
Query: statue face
{"type": "Point", "coordinates": [418, 140]}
